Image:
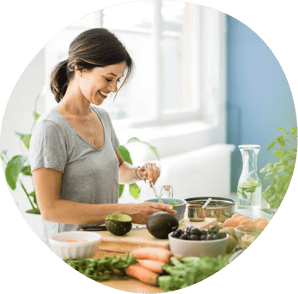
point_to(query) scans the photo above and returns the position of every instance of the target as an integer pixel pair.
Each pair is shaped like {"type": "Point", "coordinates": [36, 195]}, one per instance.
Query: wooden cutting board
{"type": "Point", "coordinates": [142, 238]}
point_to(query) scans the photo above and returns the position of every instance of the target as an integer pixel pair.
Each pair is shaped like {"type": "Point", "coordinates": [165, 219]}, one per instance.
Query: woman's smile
{"type": "Point", "coordinates": [104, 95]}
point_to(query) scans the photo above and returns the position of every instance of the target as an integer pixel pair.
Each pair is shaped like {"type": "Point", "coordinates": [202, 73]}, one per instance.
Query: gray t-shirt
{"type": "Point", "coordinates": [89, 174]}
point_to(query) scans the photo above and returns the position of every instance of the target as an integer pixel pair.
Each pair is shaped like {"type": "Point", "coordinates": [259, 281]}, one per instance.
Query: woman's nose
{"type": "Point", "coordinates": [113, 87]}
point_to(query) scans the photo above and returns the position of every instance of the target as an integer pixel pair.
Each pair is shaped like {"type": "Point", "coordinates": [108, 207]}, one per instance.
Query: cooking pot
{"type": "Point", "coordinates": [219, 208]}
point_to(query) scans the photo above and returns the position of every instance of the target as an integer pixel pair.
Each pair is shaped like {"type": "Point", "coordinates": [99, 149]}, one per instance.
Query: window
{"type": "Point", "coordinates": [173, 77]}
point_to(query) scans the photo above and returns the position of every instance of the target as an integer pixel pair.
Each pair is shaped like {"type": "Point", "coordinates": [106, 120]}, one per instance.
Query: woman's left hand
{"type": "Point", "coordinates": [149, 171]}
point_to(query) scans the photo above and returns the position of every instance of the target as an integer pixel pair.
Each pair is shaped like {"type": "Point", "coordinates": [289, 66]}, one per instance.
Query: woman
{"type": "Point", "coordinates": [73, 150]}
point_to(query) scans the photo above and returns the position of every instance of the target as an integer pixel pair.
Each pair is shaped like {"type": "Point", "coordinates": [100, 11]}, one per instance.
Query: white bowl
{"type": "Point", "coordinates": [85, 247]}
{"type": "Point", "coordinates": [199, 248]}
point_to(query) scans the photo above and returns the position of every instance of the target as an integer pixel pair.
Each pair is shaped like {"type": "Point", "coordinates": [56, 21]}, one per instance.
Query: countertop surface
{"type": "Point", "coordinates": [133, 285]}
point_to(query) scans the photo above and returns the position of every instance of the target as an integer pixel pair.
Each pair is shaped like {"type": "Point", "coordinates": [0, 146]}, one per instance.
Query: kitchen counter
{"type": "Point", "coordinates": [118, 246]}
{"type": "Point", "coordinates": [112, 245]}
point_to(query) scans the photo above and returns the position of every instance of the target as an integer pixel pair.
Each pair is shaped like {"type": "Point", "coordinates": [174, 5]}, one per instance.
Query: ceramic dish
{"type": "Point", "coordinates": [75, 245]}
{"type": "Point", "coordinates": [188, 248]}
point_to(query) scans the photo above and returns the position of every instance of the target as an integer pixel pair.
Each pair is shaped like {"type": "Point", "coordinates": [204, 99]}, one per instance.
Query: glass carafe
{"type": "Point", "coordinates": [249, 190]}
{"type": "Point", "coordinates": [166, 192]}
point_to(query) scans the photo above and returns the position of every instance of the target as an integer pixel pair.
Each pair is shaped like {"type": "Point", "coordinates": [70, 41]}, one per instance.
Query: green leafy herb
{"type": "Point", "coordinates": [248, 187]}
{"type": "Point", "coordinates": [189, 270]}
{"type": "Point", "coordinates": [171, 202]}
{"type": "Point", "coordinates": [278, 175]}
{"type": "Point", "coordinates": [103, 269]}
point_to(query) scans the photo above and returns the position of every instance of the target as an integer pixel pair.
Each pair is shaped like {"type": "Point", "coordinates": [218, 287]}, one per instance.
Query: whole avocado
{"type": "Point", "coordinates": [161, 224]}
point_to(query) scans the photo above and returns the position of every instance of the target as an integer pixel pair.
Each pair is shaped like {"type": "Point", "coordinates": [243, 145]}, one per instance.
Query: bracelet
{"type": "Point", "coordinates": [137, 173]}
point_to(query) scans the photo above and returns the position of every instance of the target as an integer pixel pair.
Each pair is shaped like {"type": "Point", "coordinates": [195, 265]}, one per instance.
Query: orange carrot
{"type": "Point", "coordinates": [142, 274]}
{"type": "Point", "coordinates": [152, 253]}
{"type": "Point", "coordinates": [152, 265]}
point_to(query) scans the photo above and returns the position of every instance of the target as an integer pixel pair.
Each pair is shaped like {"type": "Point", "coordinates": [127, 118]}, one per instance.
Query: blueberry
{"type": "Point", "coordinates": [221, 235]}
{"type": "Point", "coordinates": [195, 231]}
{"type": "Point", "coordinates": [178, 232]}
{"type": "Point", "coordinates": [213, 229]}
{"type": "Point", "coordinates": [209, 237]}
{"type": "Point", "coordinates": [215, 236]}
{"type": "Point", "coordinates": [203, 232]}
{"type": "Point", "coordinates": [174, 235]}
{"type": "Point", "coordinates": [194, 237]}
{"type": "Point", "coordinates": [184, 236]}
{"type": "Point", "coordinates": [188, 229]}
{"type": "Point", "coordinates": [203, 237]}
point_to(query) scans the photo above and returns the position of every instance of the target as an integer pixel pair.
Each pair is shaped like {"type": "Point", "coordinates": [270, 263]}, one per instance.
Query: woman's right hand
{"type": "Point", "coordinates": [141, 212]}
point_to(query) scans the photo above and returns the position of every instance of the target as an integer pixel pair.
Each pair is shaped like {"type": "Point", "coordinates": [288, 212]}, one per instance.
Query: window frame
{"type": "Point", "coordinates": [201, 90]}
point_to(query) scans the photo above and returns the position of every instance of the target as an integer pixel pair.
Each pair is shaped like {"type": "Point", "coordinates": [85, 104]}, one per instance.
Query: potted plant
{"type": "Point", "coordinates": [279, 174]}
{"type": "Point", "coordinates": [19, 165]}
{"type": "Point", "coordinates": [17, 172]}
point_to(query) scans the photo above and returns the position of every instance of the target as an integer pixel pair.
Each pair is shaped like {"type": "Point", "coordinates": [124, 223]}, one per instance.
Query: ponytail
{"type": "Point", "coordinates": [59, 80]}
{"type": "Point", "coordinates": [93, 48]}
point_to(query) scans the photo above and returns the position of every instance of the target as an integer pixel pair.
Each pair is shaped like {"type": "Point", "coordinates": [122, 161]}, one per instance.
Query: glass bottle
{"type": "Point", "coordinates": [166, 192]}
{"type": "Point", "coordinates": [249, 190]}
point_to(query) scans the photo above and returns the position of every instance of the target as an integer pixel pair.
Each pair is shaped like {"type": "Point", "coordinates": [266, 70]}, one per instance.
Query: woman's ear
{"type": "Point", "coordinates": [79, 71]}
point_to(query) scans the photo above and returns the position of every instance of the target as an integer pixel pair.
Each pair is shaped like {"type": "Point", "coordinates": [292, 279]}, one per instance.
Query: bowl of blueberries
{"type": "Point", "coordinates": [193, 241]}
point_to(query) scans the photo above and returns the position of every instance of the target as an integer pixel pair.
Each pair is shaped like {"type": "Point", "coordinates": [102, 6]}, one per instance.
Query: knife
{"type": "Point", "coordinates": [101, 227]}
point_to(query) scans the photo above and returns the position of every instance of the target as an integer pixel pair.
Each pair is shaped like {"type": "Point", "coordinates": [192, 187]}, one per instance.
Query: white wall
{"type": "Point", "coordinates": [18, 116]}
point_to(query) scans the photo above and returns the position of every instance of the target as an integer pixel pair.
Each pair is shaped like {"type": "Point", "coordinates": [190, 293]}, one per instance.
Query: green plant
{"type": "Point", "coordinates": [19, 165]}
{"type": "Point", "coordinates": [134, 189]}
{"type": "Point", "coordinates": [279, 174]}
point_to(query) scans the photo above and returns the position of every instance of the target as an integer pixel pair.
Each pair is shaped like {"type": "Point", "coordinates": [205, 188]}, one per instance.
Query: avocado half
{"type": "Point", "coordinates": [161, 224]}
{"type": "Point", "coordinates": [118, 224]}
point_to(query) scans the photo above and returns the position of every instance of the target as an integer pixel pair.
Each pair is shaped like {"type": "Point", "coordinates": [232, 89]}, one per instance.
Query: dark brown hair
{"type": "Point", "coordinates": [92, 48]}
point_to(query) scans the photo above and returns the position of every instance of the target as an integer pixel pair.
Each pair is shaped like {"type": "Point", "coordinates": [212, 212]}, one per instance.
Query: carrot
{"type": "Point", "coordinates": [152, 265]}
{"type": "Point", "coordinates": [152, 253]}
{"type": "Point", "coordinates": [142, 274]}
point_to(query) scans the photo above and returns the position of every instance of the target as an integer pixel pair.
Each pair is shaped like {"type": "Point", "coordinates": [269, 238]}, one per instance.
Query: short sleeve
{"type": "Point", "coordinates": [47, 147]}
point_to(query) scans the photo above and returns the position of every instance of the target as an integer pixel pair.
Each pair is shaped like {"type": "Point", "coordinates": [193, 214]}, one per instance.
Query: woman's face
{"type": "Point", "coordinates": [97, 83]}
